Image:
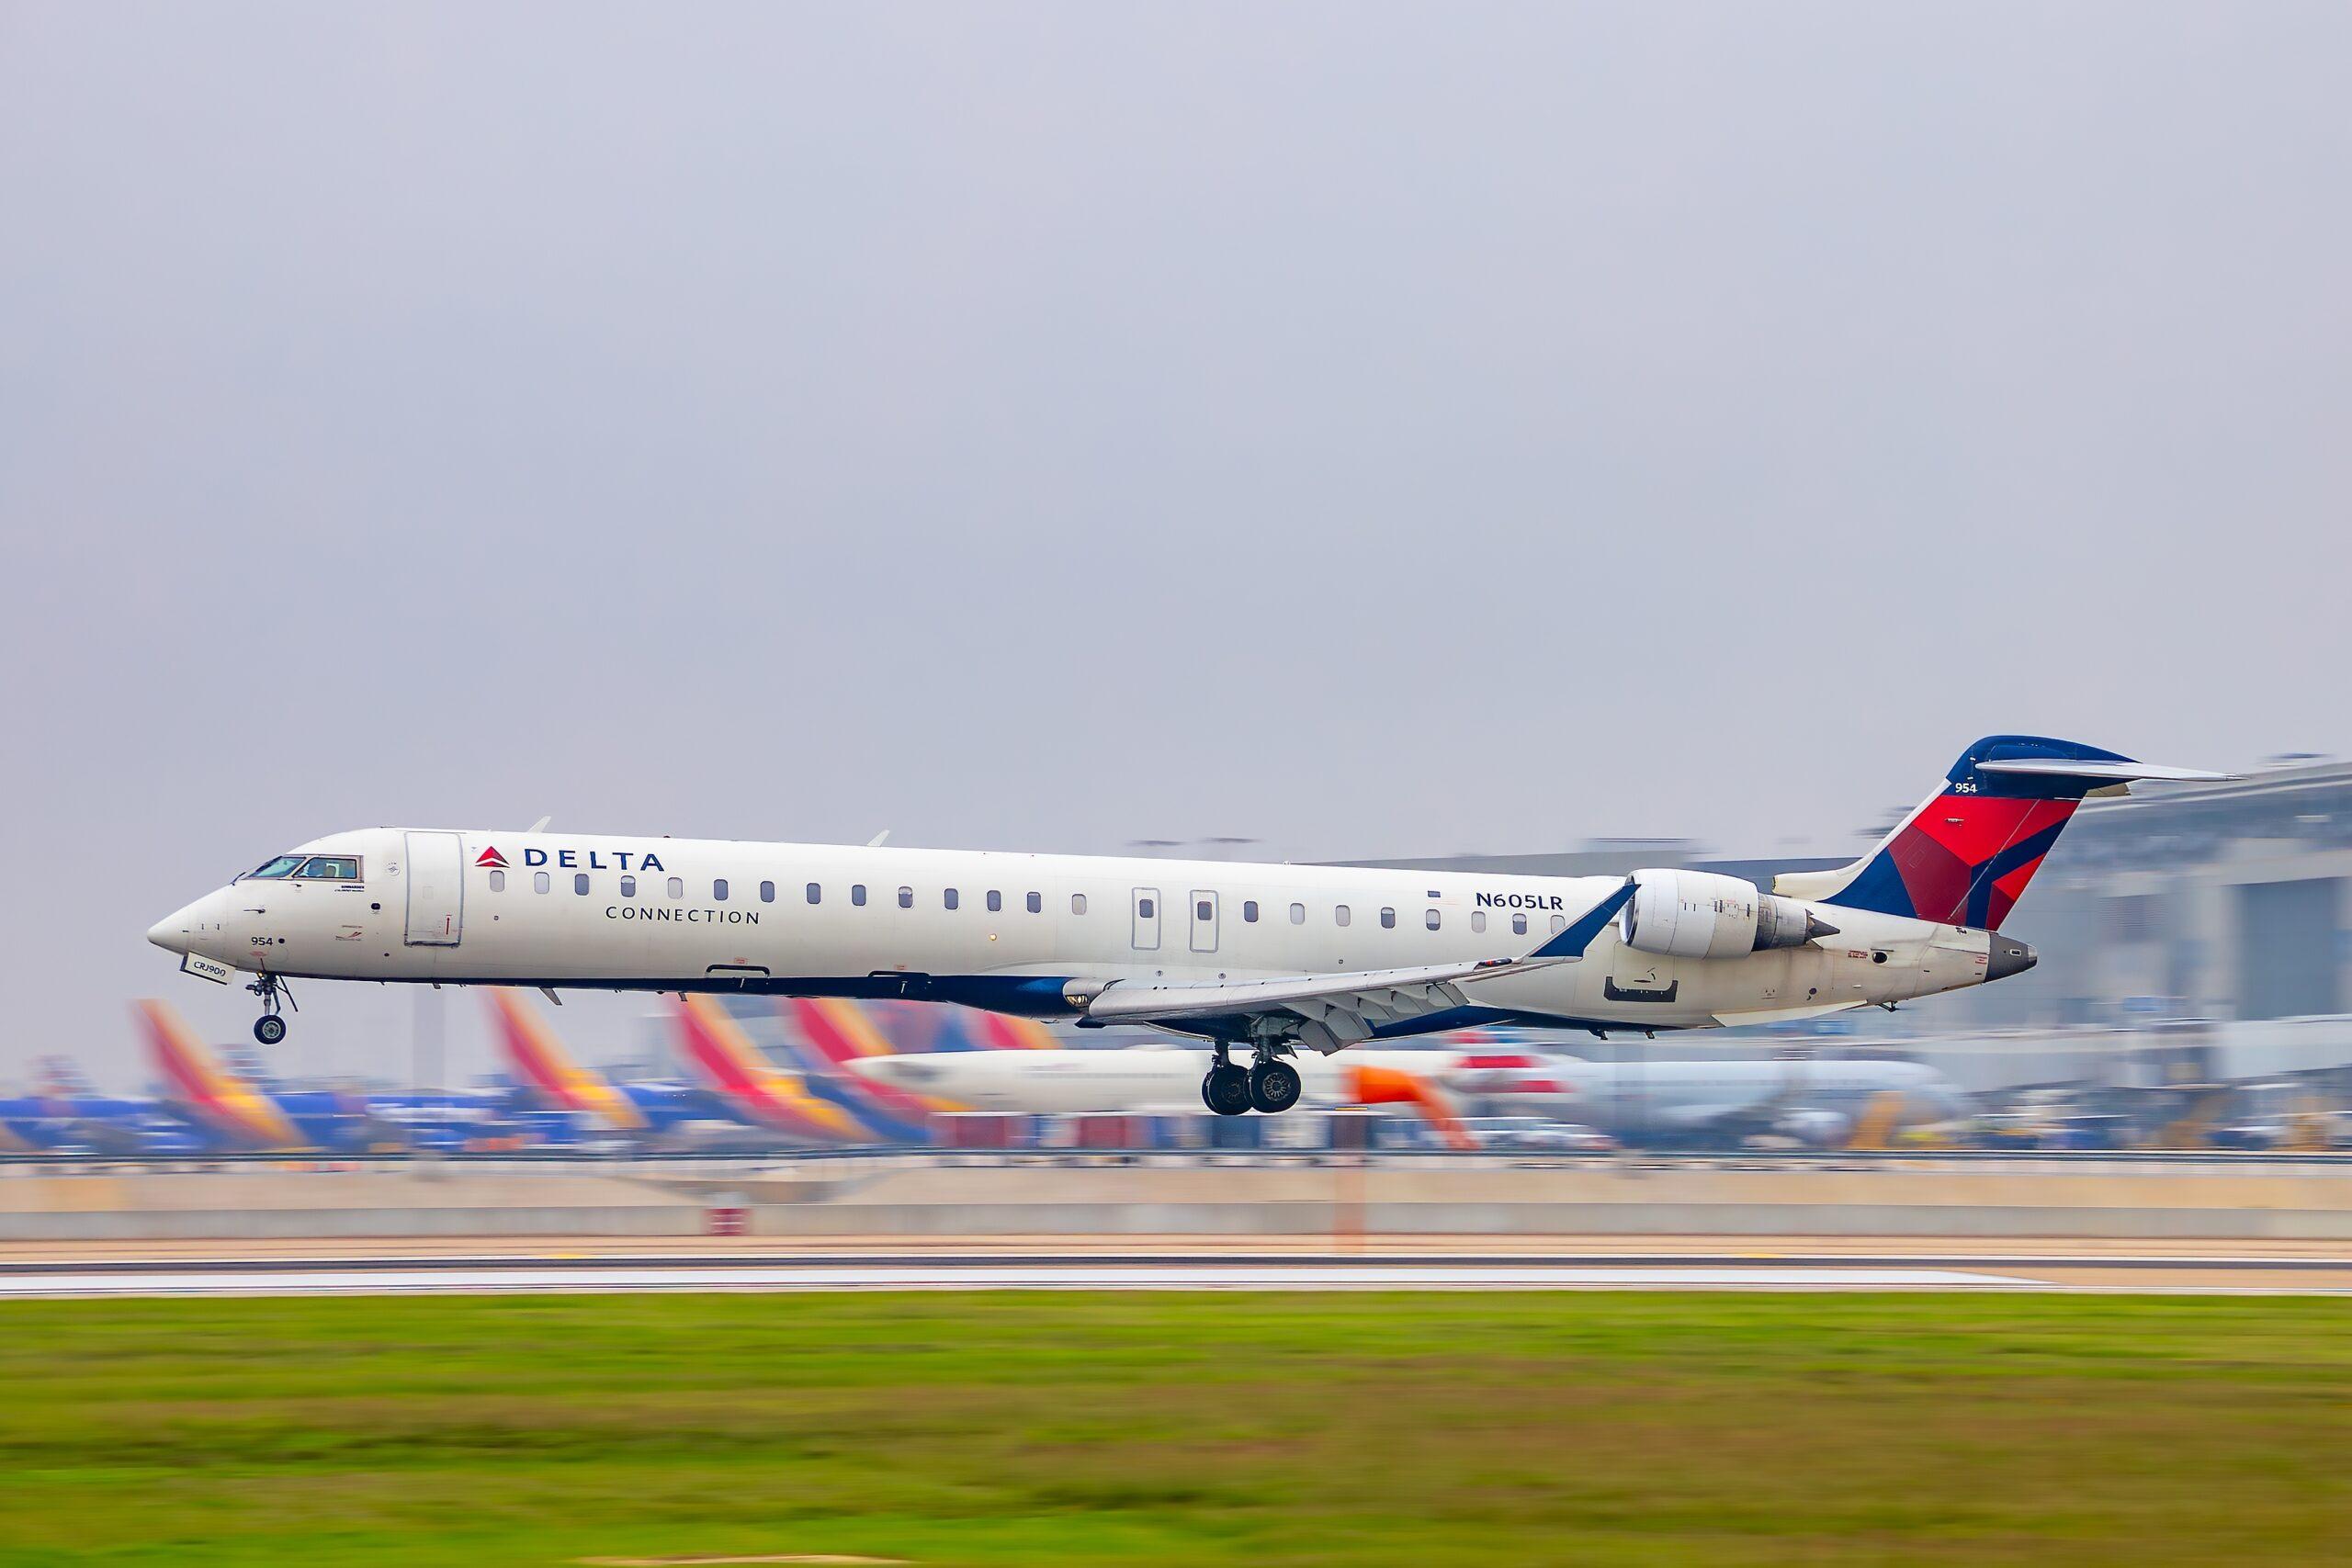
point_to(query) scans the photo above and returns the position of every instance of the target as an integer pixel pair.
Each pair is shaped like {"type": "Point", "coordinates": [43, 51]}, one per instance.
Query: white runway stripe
{"type": "Point", "coordinates": [198, 1281]}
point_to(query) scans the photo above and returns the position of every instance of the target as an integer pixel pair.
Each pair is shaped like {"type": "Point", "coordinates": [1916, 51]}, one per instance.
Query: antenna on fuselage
{"type": "Point", "coordinates": [875, 842]}
{"type": "Point", "coordinates": [541, 825]}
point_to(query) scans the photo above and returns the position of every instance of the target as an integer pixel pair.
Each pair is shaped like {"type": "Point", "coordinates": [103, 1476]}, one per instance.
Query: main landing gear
{"type": "Point", "coordinates": [1226, 1090]}
{"type": "Point", "coordinates": [1270, 1086]}
{"type": "Point", "coordinates": [1274, 1086]}
{"type": "Point", "coordinates": [269, 1028]}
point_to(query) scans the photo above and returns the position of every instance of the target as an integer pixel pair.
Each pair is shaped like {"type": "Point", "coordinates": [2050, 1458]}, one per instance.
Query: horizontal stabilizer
{"type": "Point", "coordinates": [2117, 772]}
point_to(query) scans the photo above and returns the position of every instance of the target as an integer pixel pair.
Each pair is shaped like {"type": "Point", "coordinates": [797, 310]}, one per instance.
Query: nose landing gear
{"type": "Point", "coordinates": [269, 1028]}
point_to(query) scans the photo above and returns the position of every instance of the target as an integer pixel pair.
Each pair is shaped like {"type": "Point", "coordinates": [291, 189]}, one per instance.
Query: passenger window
{"type": "Point", "coordinates": [1478, 921]}
{"type": "Point", "coordinates": [1430, 920]}
{"type": "Point", "coordinates": [1250, 911]}
{"type": "Point", "coordinates": [1388, 919]}
{"type": "Point", "coordinates": [718, 889]}
{"type": "Point", "coordinates": [906, 897]}
{"type": "Point", "coordinates": [1559, 924]}
{"type": "Point", "coordinates": [858, 893]}
{"type": "Point", "coordinates": [1341, 914]}
{"type": "Point", "coordinates": [767, 892]}
{"type": "Point", "coordinates": [1518, 925]}
{"type": "Point", "coordinates": [282, 866]}
{"type": "Point", "coordinates": [629, 886]}
{"type": "Point", "coordinates": [580, 884]}
{"type": "Point", "coordinates": [539, 882]}
{"type": "Point", "coordinates": [954, 898]}
{"type": "Point", "coordinates": [1298, 914]}
{"type": "Point", "coordinates": [1146, 908]}
{"type": "Point", "coordinates": [1078, 903]}
{"type": "Point", "coordinates": [498, 882]}
{"type": "Point", "coordinates": [1204, 911]}
{"type": "Point", "coordinates": [816, 892]}
{"type": "Point", "coordinates": [677, 887]}
{"type": "Point", "coordinates": [1036, 903]}
{"type": "Point", "coordinates": [995, 901]}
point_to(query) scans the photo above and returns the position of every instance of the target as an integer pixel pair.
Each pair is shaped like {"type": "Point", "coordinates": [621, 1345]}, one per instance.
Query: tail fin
{"type": "Point", "coordinates": [1369, 1085]}
{"type": "Point", "coordinates": [552, 1074]}
{"type": "Point", "coordinates": [750, 1085]}
{"type": "Point", "coordinates": [195, 1081]}
{"type": "Point", "coordinates": [62, 1078]}
{"type": "Point", "coordinates": [827, 1037]}
{"type": "Point", "coordinates": [1965, 853]}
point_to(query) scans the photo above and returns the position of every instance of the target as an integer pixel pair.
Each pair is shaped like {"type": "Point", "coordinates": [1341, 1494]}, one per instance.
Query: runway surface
{"type": "Point", "coordinates": [1850, 1268]}
{"type": "Point", "coordinates": [992, 1276]}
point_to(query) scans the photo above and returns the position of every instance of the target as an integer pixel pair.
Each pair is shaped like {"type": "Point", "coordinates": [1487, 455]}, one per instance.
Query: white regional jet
{"type": "Point", "coordinates": [1263, 958]}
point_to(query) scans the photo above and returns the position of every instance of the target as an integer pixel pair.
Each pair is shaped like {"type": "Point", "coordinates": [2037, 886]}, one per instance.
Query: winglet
{"type": "Point", "coordinates": [1571, 942]}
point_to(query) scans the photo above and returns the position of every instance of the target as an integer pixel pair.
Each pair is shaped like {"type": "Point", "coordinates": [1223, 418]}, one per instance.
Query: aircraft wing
{"type": "Point", "coordinates": [1726, 1113]}
{"type": "Point", "coordinates": [1333, 1011]}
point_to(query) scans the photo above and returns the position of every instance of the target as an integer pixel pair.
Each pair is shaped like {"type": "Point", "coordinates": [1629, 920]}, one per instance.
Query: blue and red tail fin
{"type": "Point", "coordinates": [1964, 856]}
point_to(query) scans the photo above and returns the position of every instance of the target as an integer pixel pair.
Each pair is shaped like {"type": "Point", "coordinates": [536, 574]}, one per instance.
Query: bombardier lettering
{"type": "Point", "coordinates": [1520, 901]}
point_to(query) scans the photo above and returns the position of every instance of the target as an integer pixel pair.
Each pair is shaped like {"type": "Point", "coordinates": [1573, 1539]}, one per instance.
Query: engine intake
{"type": "Point", "coordinates": [1704, 914]}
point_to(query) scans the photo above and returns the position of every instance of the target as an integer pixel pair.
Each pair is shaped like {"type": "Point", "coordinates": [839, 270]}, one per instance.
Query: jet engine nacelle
{"type": "Point", "coordinates": [1818, 1129]}
{"type": "Point", "coordinates": [1704, 914]}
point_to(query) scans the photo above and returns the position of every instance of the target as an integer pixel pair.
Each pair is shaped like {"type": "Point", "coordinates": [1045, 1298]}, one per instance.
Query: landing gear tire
{"type": "Point", "coordinates": [269, 1028]}
{"type": "Point", "coordinates": [1273, 1086]}
{"type": "Point", "coordinates": [1226, 1090]}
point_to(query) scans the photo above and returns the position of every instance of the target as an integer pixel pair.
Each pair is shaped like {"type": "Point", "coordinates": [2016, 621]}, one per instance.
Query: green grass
{"type": "Point", "coordinates": [1144, 1429]}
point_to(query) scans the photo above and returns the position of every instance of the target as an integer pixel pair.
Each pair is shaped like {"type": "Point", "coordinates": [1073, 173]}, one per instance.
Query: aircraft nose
{"type": "Point", "coordinates": [175, 932]}
{"type": "Point", "coordinates": [2010, 956]}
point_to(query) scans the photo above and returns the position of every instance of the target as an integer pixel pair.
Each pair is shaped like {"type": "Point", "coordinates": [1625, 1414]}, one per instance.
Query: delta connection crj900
{"type": "Point", "coordinates": [1265, 958]}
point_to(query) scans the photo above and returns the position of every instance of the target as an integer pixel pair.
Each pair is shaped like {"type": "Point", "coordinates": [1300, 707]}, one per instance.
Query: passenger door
{"type": "Point", "coordinates": [1204, 914]}
{"type": "Point", "coordinates": [1147, 919]}
{"type": "Point", "coordinates": [437, 889]}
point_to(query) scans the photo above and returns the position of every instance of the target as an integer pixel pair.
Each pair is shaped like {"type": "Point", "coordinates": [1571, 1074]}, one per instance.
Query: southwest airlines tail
{"type": "Point", "coordinates": [964, 1029]}
{"type": "Point", "coordinates": [205, 1092]}
{"type": "Point", "coordinates": [825, 1035]}
{"type": "Point", "coordinates": [1965, 853]}
{"type": "Point", "coordinates": [542, 1061]}
{"type": "Point", "coordinates": [751, 1086]}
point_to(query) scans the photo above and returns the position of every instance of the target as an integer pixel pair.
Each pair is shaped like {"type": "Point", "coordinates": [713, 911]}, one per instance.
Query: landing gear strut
{"type": "Point", "coordinates": [269, 1029]}
{"type": "Point", "coordinates": [1226, 1089]}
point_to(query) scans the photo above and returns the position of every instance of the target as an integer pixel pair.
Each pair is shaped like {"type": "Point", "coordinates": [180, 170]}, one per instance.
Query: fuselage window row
{"type": "Point", "coordinates": [1146, 906]}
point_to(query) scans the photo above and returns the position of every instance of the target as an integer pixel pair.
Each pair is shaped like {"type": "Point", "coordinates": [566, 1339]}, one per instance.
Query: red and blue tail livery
{"type": "Point", "coordinates": [1965, 855]}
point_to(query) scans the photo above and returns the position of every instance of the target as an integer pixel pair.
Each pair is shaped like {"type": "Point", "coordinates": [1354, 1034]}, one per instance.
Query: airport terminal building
{"type": "Point", "coordinates": [2217, 909]}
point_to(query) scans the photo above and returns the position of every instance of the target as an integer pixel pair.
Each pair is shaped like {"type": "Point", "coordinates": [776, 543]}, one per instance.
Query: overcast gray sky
{"type": "Point", "coordinates": [1371, 429]}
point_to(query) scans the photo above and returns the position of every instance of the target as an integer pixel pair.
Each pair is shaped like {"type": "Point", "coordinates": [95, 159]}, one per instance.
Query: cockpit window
{"type": "Point", "coordinates": [331, 868]}
{"type": "Point", "coordinates": [282, 866]}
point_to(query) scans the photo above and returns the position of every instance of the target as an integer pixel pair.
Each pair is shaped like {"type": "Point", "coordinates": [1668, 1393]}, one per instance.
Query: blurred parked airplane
{"type": "Point", "coordinates": [1814, 1101]}
{"type": "Point", "coordinates": [237, 1112]}
{"type": "Point", "coordinates": [66, 1112]}
{"type": "Point", "coordinates": [554, 1078]}
{"type": "Point", "coordinates": [1269, 958]}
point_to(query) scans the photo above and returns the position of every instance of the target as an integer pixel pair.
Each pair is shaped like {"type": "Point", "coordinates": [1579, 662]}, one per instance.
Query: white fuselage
{"type": "Point", "coordinates": [1017, 932]}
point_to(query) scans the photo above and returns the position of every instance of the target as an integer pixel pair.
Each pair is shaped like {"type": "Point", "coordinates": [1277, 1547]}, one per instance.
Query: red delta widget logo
{"type": "Point", "coordinates": [571, 859]}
